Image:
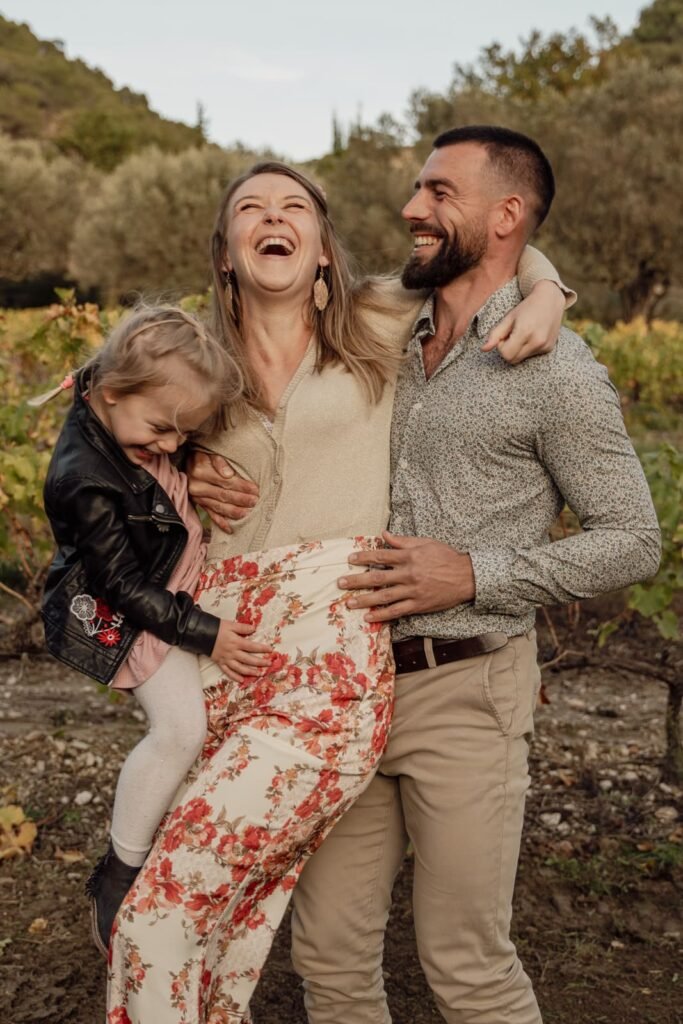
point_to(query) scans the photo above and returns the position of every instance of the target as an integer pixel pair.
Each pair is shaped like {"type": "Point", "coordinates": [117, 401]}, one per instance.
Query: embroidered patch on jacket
{"type": "Point", "coordinates": [97, 618]}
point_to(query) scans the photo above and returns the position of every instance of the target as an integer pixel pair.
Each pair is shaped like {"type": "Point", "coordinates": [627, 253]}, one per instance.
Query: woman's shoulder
{"type": "Point", "coordinates": [390, 308]}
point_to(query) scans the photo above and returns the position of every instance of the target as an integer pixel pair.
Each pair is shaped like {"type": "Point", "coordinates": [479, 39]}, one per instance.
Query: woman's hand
{"type": "Point", "coordinates": [532, 327]}
{"type": "Point", "coordinates": [236, 655]}
{"type": "Point", "coordinates": [215, 486]}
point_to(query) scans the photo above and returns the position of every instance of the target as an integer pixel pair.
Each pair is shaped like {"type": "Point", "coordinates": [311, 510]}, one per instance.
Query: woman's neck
{"type": "Point", "coordinates": [276, 339]}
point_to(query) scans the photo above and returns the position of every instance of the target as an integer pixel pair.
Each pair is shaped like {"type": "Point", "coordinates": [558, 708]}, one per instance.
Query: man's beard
{"type": "Point", "coordinates": [452, 259]}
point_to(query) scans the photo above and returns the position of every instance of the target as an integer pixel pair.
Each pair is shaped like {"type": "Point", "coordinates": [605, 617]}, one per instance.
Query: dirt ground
{"type": "Point", "coordinates": [598, 911]}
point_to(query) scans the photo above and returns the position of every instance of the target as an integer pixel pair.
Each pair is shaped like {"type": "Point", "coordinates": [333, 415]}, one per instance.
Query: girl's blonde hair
{"type": "Point", "coordinates": [343, 329]}
{"type": "Point", "coordinates": [134, 357]}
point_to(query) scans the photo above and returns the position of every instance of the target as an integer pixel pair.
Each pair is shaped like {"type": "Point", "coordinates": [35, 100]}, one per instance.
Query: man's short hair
{"type": "Point", "coordinates": [514, 156]}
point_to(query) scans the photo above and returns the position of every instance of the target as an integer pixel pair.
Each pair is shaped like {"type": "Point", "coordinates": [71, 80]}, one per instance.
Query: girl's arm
{"type": "Point", "coordinates": [532, 327]}
{"type": "Point", "coordinates": [116, 575]}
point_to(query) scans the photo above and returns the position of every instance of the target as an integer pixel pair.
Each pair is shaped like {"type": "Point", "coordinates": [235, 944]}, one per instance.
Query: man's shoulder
{"type": "Point", "coordinates": [571, 358]}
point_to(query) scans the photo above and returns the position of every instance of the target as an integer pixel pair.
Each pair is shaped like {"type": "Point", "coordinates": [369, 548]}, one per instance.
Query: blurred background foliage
{"type": "Point", "coordinates": [99, 192]}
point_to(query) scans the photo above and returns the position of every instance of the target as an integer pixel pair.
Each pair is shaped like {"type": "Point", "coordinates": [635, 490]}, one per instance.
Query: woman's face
{"type": "Point", "coordinates": [273, 237]}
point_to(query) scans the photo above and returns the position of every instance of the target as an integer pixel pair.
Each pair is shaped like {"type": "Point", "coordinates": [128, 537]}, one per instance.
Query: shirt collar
{"type": "Point", "coordinates": [484, 320]}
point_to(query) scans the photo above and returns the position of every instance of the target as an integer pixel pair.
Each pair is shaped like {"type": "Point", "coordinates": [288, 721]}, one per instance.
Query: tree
{"type": "Point", "coordinates": [617, 150]}
{"type": "Point", "coordinates": [147, 228]}
{"type": "Point", "coordinates": [367, 183]}
{"type": "Point", "coordinates": [40, 196]}
{"type": "Point", "coordinates": [560, 62]}
{"type": "Point", "coordinates": [659, 32]}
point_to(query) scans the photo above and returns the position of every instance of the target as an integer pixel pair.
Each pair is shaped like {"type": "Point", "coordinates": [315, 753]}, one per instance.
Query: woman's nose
{"type": "Point", "coordinates": [272, 217]}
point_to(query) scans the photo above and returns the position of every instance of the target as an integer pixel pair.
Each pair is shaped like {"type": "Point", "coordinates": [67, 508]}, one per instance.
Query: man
{"type": "Point", "coordinates": [483, 459]}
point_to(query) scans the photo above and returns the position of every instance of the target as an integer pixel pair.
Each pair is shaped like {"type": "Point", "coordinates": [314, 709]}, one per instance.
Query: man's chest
{"type": "Point", "coordinates": [472, 407]}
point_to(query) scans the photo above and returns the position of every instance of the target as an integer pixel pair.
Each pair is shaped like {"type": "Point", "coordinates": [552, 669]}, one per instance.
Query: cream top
{"type": "Point", "coordinates": [322, 466]}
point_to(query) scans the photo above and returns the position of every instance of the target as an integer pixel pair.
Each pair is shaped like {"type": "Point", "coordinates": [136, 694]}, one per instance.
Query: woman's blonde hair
{"type": "Point", "coordinates": [343, 330]}
{"type": "Point", "coordinates": [134, 357]}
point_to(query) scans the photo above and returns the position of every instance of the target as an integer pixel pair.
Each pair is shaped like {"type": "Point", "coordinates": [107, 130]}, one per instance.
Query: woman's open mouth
{"type": "Point", "coordinates": [275, 245]}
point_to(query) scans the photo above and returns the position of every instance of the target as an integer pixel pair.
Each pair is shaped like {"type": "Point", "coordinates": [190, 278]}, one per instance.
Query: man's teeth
{"type": "Point", "coordinates": [275, 242]}
{"type": "Point", "coordinates": [425, 240]}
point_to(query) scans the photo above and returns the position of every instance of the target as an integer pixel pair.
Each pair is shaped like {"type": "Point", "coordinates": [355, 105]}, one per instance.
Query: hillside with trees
{"type": "Point", "coordinates": [84, 202]}
{"type": "Point", "coordinates": [45, 95]}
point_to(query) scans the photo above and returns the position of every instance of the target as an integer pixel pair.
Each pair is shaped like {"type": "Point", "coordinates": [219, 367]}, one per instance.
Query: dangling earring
{"type": "Point", "coordinates": [321, 293]}
{"type": "Point", "coordinates": [227, 293]}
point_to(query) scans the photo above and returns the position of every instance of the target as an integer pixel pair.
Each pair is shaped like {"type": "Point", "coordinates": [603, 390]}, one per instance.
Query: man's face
{"type": "Point", "coordinates": [449, 216]}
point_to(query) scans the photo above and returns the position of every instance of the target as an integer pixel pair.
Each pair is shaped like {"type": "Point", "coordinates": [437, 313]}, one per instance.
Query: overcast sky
{"type": "Point", "coordinates": [271, 73]}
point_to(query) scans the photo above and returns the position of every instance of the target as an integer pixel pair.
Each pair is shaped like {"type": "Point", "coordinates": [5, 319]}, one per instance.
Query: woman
{"type": "Point", "coordinates": [289, 748]}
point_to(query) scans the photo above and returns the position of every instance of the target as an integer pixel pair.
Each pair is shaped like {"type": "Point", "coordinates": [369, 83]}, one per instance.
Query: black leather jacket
{"type": "Point", "coordinates": [119, 540]}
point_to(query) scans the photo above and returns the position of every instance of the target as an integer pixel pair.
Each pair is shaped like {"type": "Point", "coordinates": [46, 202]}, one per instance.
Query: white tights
{"type": "Point", "coordinates": [173, 701]}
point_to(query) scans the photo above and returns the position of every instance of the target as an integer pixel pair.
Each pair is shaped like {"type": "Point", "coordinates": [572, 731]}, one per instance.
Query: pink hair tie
{"type": "Point", "coordinates": [67, 383]}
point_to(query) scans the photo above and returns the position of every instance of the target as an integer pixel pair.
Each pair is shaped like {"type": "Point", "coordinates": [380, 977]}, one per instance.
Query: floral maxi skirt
{"type": "Point", "coordinates": [287, 752]}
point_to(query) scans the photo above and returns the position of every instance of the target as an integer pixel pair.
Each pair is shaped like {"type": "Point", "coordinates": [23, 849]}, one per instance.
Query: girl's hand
{"type": "Point", "coordinates": [532, 327]}
{"type": "Point", "coordinates": [236, 655]}
{"type": "Point", "coordinates": [214, 485]}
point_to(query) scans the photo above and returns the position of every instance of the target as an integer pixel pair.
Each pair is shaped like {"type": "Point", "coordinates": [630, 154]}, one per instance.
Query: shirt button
{"type": "Point", "coordinates": [159, 508]}
{"type": "Point", "coordinates": [403, 463]}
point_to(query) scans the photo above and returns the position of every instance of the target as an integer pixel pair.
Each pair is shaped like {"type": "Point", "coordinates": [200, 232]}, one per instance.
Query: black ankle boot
{"type": "Point", "coordinates": [107, 886]}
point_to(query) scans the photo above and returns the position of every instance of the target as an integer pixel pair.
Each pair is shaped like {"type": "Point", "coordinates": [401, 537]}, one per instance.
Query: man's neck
{"type": "Point", "coordinates": [457, 302]}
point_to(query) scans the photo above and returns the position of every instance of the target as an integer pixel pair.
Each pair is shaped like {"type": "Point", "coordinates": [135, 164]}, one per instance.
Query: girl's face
{"type": "Point", "coordinates": [274, 245]}
{"type": "Point", "coordinates": [155, 421]}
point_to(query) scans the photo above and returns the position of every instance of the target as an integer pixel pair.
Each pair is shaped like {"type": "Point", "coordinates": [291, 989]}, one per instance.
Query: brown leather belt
{"type": "Point", "coordinates": [420, 652]}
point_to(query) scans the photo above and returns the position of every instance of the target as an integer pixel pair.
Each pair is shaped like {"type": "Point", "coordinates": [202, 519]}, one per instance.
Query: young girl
{"type": "Point", "coordinates": [118, 601]}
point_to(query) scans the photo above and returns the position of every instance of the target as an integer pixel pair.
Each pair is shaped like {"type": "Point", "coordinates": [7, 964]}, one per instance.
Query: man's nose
{"type": "Point", "coordinates": [415, 208]}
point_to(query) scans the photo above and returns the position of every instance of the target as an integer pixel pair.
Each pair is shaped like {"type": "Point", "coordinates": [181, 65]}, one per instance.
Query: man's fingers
{"type": "Point", "coordinates": [392, 611]}
{"type": "Point", "coordinates": [379, 598]}
{"type": "Point", "coordinates": [364, 580]}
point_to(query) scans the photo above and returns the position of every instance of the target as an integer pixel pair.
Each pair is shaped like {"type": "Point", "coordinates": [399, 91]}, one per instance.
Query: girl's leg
{"type": "Point", "coordinates": [173, 701]}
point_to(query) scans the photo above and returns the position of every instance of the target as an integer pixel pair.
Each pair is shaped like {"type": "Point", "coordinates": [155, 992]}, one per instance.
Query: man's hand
{"type": "Point", "coordinates": [214, 485]}
{"type": "Point", "coordinates": [532, 327]}
{"type": "Point", "coordinates": [417, 575]}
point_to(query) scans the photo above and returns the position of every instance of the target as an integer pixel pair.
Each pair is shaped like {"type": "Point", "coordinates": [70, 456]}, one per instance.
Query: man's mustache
{"type": "Point", "coordinates": [427, 229]}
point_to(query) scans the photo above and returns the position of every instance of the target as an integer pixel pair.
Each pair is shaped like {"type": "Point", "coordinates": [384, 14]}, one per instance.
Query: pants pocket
{"type": "Point", "coordinates": [500, 685]}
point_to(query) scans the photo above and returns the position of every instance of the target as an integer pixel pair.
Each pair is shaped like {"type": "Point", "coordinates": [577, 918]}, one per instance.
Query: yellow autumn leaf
{"type": "Point", "coordinates": [10, 816]}
{"type": "Point", "coordinates": [17, 832]}
{"type": "Point", "coordinates": [69, 856]}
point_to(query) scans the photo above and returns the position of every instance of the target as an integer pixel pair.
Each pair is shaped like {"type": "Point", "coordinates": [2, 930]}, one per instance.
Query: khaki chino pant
{"type": "Point", "coordinates": [453, 782]}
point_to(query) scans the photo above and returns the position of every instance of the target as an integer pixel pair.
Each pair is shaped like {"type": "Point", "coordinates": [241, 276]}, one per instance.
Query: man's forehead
{"type": "Point", "coordinates": [448, 162]}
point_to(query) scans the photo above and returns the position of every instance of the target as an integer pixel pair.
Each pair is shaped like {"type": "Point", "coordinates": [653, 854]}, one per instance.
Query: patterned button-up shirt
{"type": "Point", "coordinates": [484, 456]}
